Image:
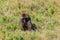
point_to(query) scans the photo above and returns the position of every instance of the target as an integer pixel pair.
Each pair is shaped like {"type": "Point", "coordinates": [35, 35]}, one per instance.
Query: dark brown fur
{"type": "Point", "coordinates": [25, 21]}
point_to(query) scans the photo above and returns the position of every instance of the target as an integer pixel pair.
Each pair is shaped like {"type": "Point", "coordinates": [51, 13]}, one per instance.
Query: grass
{"type": "Point", "coordinates": [44, 13]}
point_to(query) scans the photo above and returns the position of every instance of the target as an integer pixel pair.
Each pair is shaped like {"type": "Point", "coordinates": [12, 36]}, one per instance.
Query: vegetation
{"type": "Point", "coordinates": [44, 13]}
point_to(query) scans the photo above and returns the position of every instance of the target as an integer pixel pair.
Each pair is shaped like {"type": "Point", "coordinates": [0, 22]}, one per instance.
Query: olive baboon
{"type": "Point", "coordinates": [25, 21]}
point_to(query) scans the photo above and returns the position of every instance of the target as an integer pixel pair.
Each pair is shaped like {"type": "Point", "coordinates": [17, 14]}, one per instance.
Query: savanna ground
{"type": "Point", "coordinates": [44, 13]}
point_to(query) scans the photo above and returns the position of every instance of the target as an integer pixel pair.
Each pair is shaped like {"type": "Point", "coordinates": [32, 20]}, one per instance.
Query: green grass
{"type": "Point", "coordinates": [44, 13]}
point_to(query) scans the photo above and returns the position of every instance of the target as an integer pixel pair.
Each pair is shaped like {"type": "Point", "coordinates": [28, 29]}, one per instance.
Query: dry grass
{"type": "Point", "coordinates": [44, 13]}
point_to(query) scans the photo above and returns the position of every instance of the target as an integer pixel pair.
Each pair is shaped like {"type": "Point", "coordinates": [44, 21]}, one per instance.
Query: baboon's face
{"type": "Point", "coordinates": [24, 15]}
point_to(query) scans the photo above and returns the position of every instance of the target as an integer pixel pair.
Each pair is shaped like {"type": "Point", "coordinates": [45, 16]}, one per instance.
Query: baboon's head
{"type": "Point", "coordinates": [24, 14]}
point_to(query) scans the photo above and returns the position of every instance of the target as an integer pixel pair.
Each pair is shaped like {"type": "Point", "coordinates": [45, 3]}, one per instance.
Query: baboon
{"type": "Point", "coordinates": [25, 21]}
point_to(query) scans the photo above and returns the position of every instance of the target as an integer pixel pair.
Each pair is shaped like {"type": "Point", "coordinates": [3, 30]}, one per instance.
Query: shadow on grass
{"type": "Point", "coordinates": [33, 27]}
